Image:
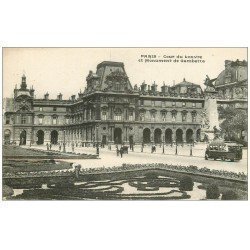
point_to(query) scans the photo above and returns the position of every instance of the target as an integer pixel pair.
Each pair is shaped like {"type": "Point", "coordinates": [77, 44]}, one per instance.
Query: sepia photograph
{"type": "Point", "coordinates": [125, 123]}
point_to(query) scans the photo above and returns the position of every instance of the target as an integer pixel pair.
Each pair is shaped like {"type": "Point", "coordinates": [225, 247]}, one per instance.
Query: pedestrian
{"type": "Point", "coordinates": [121, 151]}
{"type": "Point", "coordinates": [47, 146]}
{"type": "Point", "coordinates": [60, 147]}
{"type": "Point", "coordinates": [50, 146]}
{"type": "Point", "coordinates": [117, 151]}
{"type": "Point", "coordinates": [73, 147]}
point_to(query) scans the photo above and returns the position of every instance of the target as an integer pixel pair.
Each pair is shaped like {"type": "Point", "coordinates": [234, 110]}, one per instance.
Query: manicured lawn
{"type": "Point", "coordinates": [12, 166]}
{"type": "Point", "coordinates": [17, 151]}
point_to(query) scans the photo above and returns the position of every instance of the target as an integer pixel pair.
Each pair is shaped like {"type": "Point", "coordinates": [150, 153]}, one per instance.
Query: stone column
{"type": "Point", "coordinates": [184, 136]}
{"type": "Point", "coordinates": [152, 135]}
{"type": "Point", "coordinates": [174, 135]}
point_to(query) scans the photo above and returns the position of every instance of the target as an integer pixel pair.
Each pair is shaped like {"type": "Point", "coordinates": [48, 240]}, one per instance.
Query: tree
{"type": "Point", "coordinates": [234, 122]}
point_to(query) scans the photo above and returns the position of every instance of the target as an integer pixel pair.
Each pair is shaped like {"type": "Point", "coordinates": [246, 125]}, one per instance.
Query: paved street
{"type": "Point", "coordinates": [109, 158]}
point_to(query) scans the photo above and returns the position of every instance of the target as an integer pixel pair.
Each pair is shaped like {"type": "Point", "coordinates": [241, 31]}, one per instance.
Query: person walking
{"type": "Point", "coordinates": [47, 146]}
{"type": "Point", "coordinates": [117, 151]}
{"type": "Point", "coordinates": [50, 146]}
{"type": "Point", "coordinates": [121, 151]}
{"type": "Point", "coordinates": [73, 147]}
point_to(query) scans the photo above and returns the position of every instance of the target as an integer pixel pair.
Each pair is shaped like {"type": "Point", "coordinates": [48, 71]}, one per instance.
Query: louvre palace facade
{"type": "Point", "coordinates": [111, 110]}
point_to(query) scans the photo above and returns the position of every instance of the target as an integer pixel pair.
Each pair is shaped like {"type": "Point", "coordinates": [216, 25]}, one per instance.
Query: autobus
{"type": "Point", "coordinates": [224, 151]}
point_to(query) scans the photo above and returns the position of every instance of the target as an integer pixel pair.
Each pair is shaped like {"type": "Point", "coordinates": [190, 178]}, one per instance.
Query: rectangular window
{"type": "Point", "coordinates": [131, 116]}
{"type": "Point", "coordinates": [153, 117]}
{"type": "Point", "coordinates": [40, 109]}
{"type": "Point", "coordinates": [163, 104]}
{"type": "Point", "coordinates": [173, 117]}
{"type": "Point", "coordinates": [153, 103]}
{"type": "Point", "coordinates": [164, 117]}
{"type": "Point", "coordinates": [142, 117]}
{"type": "Point", "coordinates": [40, 120]}
{"type": "Point", "coordinates": [173, 104]}
{"type": "Point", "coordinates": [7, 120]}
{"type": "Point", "coordinates": [193, 104]}
{"type": "Point", "coordinates": [23, 119]}
{"type": "Point", "coordinates": [67, 120]}
{"type": "Point", "coordinates": [54, 120]}
{"type": "Point", "coordinates": [117, 117]}
{"type": "Point", "coordinates": [141, 102]}
{"type": "Point", "coordinates": [54, 108]}
{"type": "Point", "coordinates": [104, 115]}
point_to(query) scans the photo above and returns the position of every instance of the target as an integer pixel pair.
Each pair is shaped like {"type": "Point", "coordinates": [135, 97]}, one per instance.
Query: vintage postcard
{"type": "Point", "coordinates": [125, 124]}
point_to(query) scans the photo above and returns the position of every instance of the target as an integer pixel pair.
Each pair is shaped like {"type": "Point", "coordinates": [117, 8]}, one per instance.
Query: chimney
{"type": "Point", "coordinates": [46, 96]}
{"type": "Point", "coordinates": [143, 87]}
{"type": "Point", "coordinates": [73, 98]}
{"type": "Point", "coordinates": [59, 97]}
{"type": "Point", "coordinates": [32, 92]}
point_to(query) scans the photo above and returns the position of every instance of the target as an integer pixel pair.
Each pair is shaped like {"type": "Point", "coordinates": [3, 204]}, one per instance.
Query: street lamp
{"type": "Point", "coordinates": [97, 146]}
{"type": "Point", "coordinates": [191, 151]}
{"type": "Point", "coordinates": [163, 141]}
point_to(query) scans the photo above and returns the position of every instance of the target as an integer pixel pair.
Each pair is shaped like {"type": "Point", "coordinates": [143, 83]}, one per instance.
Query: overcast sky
{"type": "Point", "coordinates": [65, 69]}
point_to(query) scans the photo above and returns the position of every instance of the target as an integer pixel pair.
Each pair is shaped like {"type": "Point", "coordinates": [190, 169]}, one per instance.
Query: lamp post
{"type": "Point", "coordinates": [97, 145]}
{"type": "Point", "coordinates": [191, 151]}
{"type": "Point", "coordinates": [64, 150]}
{"type": "Point", "coordinates": [163, 142]}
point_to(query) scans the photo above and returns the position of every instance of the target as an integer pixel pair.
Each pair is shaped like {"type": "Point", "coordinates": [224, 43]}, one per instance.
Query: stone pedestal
{"type": "Point", "coordinates": [211, 117]}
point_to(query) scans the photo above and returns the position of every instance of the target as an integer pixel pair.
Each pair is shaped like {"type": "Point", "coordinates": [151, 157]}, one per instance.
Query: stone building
{"type": "Point", "coordinates": [231, 85]}
{"type": "Point", "coordinates": [111, 110]}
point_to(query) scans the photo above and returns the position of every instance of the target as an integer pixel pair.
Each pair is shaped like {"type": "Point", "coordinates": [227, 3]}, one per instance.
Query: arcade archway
{"type": "Point", "coordinates": [189, 136]}
{"type": "Point", "coordinates": [157, 135]}
{"type": "Point", "coordinates": [179, 134]}
{"type": "Point", "coordinates": [168, 135]}
{"type": "Point", "coordinates": [40, 137]}
{"type": "Point", "coordinates": [146, 135]}
{"type": "Point", "coordinates": [118, 135]}
{"type": "Point", "coordinates": [23, 138]}
{"type": "Point", "coordinates": [54, 137]}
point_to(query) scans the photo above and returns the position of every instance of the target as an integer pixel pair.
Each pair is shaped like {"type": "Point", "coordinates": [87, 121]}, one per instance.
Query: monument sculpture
{"type": "Point", "coordinates": [210, 117]}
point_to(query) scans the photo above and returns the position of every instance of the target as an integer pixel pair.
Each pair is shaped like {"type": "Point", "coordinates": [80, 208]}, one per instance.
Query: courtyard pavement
{"type": "Point", "coordinates": [109, 158]}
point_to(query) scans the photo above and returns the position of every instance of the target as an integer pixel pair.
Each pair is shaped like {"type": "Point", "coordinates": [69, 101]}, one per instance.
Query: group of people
{"type": "Point", "coordinates": [119, 151]}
